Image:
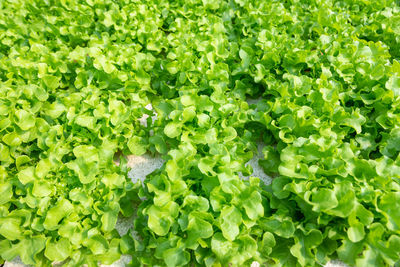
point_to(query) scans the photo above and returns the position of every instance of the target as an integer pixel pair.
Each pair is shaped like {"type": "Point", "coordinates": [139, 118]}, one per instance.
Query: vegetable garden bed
{"type": "Point", "coordinates": [85, 83]}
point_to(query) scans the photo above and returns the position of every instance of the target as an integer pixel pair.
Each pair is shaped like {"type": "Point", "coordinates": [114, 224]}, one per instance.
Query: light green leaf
{"type": "Point", "coordinates": [24, 119]}
{"type": "Point", "coordinates": [356, 232]}
{"type": "Point", "coordinates": [230, 221]}
{"type": "Point", "coordinates": [323, 199]}
{"type": "Point", "coordinates": [52, 82]}
{"type": "Point", "coordinates": [393, 84]}
{"type": "Point", "coordinates": [176, 257]}
{"type": "Point", "coordinates": [253, 206]}
{"type": "Point", "coordinates": [62, 209]}
{"type": "Point", "coordinates": [6, 192]}
{"type": "Point", "coordinates": [199, 228]}
{"type": "Point", "coordinates": [30, 247]}
{"type": "Point", "coordinates": [41, 189]}
{"type": "Point", "coordinates": [137, 145]}
{"type": "Point", "coordinates": [58, 250]}
{"type": "Point", "coordinates": [26, 175]}
{"type": "Point", "coordinates": [172, 130]}
{"type": "Point", "coordinates": [389, 204]}
{"type": "Point", "coordinates": [97, 244]}
{"type": "Point", "coordinates": [11, 228]}
{"type": "Point", "coordinates": [113, 180]}
{"type": "Point", "coordinates": [268, 243]}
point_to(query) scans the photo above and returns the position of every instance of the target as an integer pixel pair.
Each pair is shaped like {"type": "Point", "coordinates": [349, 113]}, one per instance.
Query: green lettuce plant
{"type": "Point", "coordinates": [76, 78]}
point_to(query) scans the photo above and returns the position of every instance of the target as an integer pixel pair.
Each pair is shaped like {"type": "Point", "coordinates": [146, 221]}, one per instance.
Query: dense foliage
{"type": "Point", "coordinates": [76, 77]}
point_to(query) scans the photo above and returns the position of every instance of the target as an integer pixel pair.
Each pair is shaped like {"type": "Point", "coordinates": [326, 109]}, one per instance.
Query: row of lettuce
{"type": "Point", "coordinates": [77, 75]}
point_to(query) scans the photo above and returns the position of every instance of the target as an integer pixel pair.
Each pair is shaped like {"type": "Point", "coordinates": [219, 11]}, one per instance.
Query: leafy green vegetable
{"type": "Point", "coordinates": [77, 78]}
